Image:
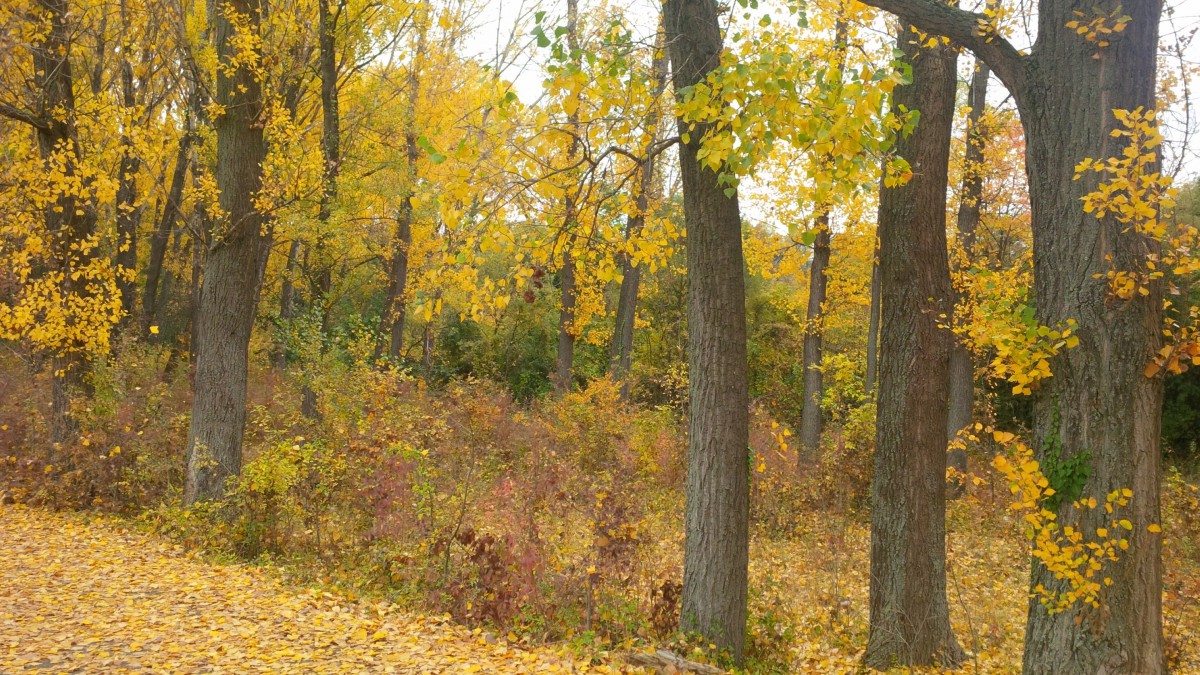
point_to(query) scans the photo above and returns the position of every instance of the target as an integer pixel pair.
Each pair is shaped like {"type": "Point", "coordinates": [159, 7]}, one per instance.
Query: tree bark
{"type": "Point", "coordinates": [717, 513]}
{"type": "Point", "coordinates": [962, 364]}
{"type": "Point", "coordinates": [910, 617]}
{"type": "Point", "coordinates": [229, 290]}
{"type": "Point", "coordinates": [1098, 404]}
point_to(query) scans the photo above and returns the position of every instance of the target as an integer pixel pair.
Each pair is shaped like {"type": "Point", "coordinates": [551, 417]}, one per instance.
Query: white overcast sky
{"type": "Point", "coordinates": [497, 19]}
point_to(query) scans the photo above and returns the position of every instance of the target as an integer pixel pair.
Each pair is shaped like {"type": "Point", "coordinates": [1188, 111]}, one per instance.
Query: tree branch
{"type": "Point", "coordinates": [969, 29]}
{"type": "Point", "coordinates": [15, 113]}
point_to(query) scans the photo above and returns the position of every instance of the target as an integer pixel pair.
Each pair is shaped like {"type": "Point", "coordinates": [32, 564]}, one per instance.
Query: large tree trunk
{"type": "Point", "coordinates": [718, 495]}
{"type": "Point", "coordinates": [962, 364]}
{"type": "Point", "coordinates": [910, 617]}
{"type": "Point", "coordinates": [162, 233]}
{"type": "Point", "coordinates": [229, 290]}
{"type": "Point", "coordinates": [1098, 404]}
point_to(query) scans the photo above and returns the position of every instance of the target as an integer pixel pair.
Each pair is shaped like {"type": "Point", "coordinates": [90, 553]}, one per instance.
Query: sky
{"type": "Point", "coordinates": [498, 21]}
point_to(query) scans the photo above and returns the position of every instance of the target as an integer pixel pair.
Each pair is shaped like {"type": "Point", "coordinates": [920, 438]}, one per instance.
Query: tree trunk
{"type": "Point", "coordinates": [162, 234]}
{"type": "Point", "coordinates": [565, 354]}
{"type": "Point", "coordinates": [910, 617]}
{"type": "Point", "coordinates": [229, 290]}
{"type": "Point", "coordinates": [621, 353]}
{"type": "Point", "coordinates": [564, 360]}
{"type": "Point", "coordinates": [128, 214]}
{"type": "Point", "coordinates": [873, 324]}
{"type": "Point", "coordinates": [330, 144]}
{"type": "Point", "coordinates": [811, 421]}
{"type": "Point", "coordinates": [69, 219]}
{"type": "Point", "coordinates": [718, 504]}
{"type": "Point", "coordinates": [810, 412]}
{"type": "Point", "coordinates": [395, 304]}
{"type": "Point", "coordinates": [962, 364]}
{"type": "Point", "coordinates": [1098, 404]}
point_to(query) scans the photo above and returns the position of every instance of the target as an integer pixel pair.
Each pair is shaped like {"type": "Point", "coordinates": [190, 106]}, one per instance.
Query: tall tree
{"type": "Point", "coordinates": [230, 285]}
{"type": "Point", "coordinates": [962, 365]}
{"type": "Point", "coordinates": [1098, 406]}
{"type": "Point", "coordinates": [565, 356]}
{"type": "Point", "coordinates": [621, 352]}
{"type": "Point", "coordinates": [811, 421]}
{"type": "Point", "coordinates": [69, 213]}
{"type": "Point", "coordinates": [395, 304]}
{"type": "Point", "coordinates": [910, 616]}
{"type": "Point", "coordinates": [718, 500]}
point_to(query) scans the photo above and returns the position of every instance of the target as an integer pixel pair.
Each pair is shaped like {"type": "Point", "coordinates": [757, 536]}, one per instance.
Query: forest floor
{"type": "Point", "coordinates": [80, 594]}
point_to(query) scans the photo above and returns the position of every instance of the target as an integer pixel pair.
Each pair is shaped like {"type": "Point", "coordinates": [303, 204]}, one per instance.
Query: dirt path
{"type": "Point", "coordinates": [81, 597]}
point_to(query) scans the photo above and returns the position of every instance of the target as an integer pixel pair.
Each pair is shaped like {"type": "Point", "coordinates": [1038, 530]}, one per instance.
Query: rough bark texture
{"type": "Point", "coordinates": [1098, 403]}
{"type": "Point", "coordinates": [962, 364]}
{"type": "Point", "coordinates": [910, 618]}
{"type": "Point", "coordinates": [229, 290]}
{"type": "Point", "coordinates": [717, 515]}
{"type": "Point", "coordinates": [814, 385]}
{"type": "Point", "coordinates": [128, 213]}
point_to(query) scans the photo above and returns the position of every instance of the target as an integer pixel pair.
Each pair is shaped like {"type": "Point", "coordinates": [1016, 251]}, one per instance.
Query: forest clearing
{"type": "Point", "coordinates": [763, 336]}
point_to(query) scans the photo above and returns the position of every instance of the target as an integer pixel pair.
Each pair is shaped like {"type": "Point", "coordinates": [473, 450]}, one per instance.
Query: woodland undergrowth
{"type": "Point", "coordinates": [557, 521]}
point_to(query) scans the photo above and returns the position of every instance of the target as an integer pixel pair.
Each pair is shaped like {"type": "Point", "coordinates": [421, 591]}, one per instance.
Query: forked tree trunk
{"type": "Point", "coordinates": [1098, 404]}
{"type": "Point", "coordinates": [910, 617]}
{"type": "Point", "coordinates": [717, 515]}
{"type": "Point", "coordinates": [162, 235]}
{"type": "Point", "coordinates": [395, 304]}
{"type": "Point", "coordinates": [229, 290]}
{"type": "Point", "coordinates": [962, 364]}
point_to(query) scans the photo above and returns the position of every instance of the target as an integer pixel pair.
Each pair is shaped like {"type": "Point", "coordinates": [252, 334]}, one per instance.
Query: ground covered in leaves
{"type": "Point", "coordinates": [80, 596]}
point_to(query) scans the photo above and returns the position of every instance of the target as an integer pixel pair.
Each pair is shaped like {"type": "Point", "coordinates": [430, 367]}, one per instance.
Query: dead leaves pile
{"type": "Point", "coordinates": [93, 597]}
